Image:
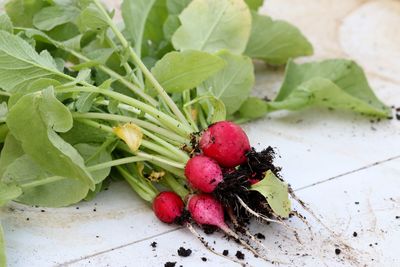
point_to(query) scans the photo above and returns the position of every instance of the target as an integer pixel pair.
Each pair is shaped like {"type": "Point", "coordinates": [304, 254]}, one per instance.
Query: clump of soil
{"type": "Point", "coordinates": [260, 236]}
{"type": "Point", "coordinates": [184, 252]}
{"type": "Point", "coordinates": [153, 244]}
{"type": "Point", "coordinates": [204, 259]}
{"type": "Point", "coordinates": [239, 255]}
{"type": "Point", "coordinates": [170, 264]}
{"type": "Point", "coordinates": [237, 181]}
{"type": "Point", "coordinates": [225, 252]}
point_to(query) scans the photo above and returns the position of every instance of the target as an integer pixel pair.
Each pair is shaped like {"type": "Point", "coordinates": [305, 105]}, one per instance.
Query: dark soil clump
{"type": "Point", "coordinates": [204, 259]}
{"type": "Point", "coordinates": [337, 251]}
{"type": "Point", "coordinates": [170, 264]}
{"type": "Point", "coordinates": [153, 245]}
{"type": "Point", "coordinates": [239, 255]}
{"type": "Point", "coordinates": [225, 252]}
{"type": "Point", "coordinates": [183, 218]}
{"type": "Point", "coordinates": [184, 252]}
{"type": "Point", "coordinates": [260, 236]}
{"type": "Point", "coordinates": [209, 229]}
{"type": "Point", "coordinates": [236, 183]}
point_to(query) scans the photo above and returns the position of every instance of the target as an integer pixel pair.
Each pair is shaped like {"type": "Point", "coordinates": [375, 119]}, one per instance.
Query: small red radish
{"type": "Point", "coordinates": [203, 173]}
{"type": "Point", "coordinates": [168, 206]}
{"type": "Point", "coordinates": [225, 142]}
{"type": "Point", "coordinates": [206, 210]}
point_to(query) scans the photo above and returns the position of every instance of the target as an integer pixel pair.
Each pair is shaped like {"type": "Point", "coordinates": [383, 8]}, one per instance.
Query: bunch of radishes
{"type": "Point", "coordinates": [224, 147]}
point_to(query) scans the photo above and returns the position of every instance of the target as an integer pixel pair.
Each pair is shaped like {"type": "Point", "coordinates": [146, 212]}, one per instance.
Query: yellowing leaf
{"type": "Point", "coordinates": [131, 134]}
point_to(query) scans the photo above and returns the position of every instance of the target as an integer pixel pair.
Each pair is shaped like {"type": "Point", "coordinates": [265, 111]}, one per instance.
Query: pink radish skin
{"type": "Point", "coordinates": [205, 209]}
{"type": "Point", "coordinates": [225, 142]}
{"type": "Point", "coordinates": [203, 173]}
{"type": "Point", "coordinates": [168, 206]}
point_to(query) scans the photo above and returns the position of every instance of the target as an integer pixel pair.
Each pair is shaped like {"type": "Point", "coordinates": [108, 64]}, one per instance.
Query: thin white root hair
{"type": "Point", "coordinates": [260, 216]}
{"type": "Point", "coordinates": [247, 232]}
{"type": "Point", "coordinates": [205, 244]}
{"type": "Point", "coordinates": [231, 233]}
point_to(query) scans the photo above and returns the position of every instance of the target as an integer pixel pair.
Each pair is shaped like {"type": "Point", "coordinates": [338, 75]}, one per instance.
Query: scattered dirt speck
{"type": "Point", "coordinates": [170, 264]}
{"type": "Point", "coordinates": [355, 234]}
{"type": "Point", "coordinates": [153, 244]}
{"type": "Point", "coordinates": [239, 255]}
{"type": "Point", "coordinates": [203, 258]}
{"type": "Point", "coordinates": [260, 236]}
{"type": "Point", "coordinates": [184, 252]}
{"type": "Point", "coordinates": [337, 251]}
{"type": "Point", "coordinates": [225, 252]}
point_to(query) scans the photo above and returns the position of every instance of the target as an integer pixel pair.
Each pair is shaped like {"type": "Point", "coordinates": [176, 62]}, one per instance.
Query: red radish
{"type": "Point", "coordinates": [168, 206]}
{"type": "Point", "coordinates": [225, 142]}
{"type": "Point", "coordinates": [205, 209]}
{"type": "Point", "coordinates": [203, 173]}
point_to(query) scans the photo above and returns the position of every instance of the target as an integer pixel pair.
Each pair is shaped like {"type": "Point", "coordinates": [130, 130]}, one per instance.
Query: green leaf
{"type": "Point", "coordinates": [180, 71]}
{"type": "Point", "coordinates": [254, 4]}
{"type": "Point", "coordinates": [8, 192]}
{"type": "Point", "coordinates": [215, 108]}
{"type": "Point", "coordinates": [210, 26]}
{"type": "Point", "coordinates": [276, 193]}
{"type": "Point", "coordinates": [91, 19]}
{"type": "Point", "coordinates": [2, 248]}
{"type": "Point", "coordinates": [233, 83]}
{"type": "Point", "coordinates": [11, 151]}
{"type": "Point", "coordinates": [82, 133]}
{"type": "Point", "coordinates": [5, 23]}
{"type": "Point", "coordinates": [276, 41]}
{"type": "Point", "coordinates": [175, 7]}
{"type": "Point", "coordinates": [50, 17]}
{"type": "Point", "coordinates": [21, 12]}
{"type": "Point", "coordinates": [135, 15]}
{"type": "Point", "coordinates": [253, 108]}
{"type": "Point", "coordinates": [20, 65]}
{"type": "Point", "coordinates": [34, 121]}
{"type": "Point", "coordinates": [93, 155]}
{"type": "Point", "coordinates": [43, 188]}
{"type": "Point", "coordinates": [333, 83]}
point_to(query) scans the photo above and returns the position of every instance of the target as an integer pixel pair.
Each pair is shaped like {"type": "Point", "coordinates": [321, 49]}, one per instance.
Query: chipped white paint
{"type": "Point", "coordinates": [316, 145]}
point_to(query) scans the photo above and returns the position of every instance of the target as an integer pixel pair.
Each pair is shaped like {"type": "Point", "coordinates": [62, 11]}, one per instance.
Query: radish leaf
{"type": "Point", "coordinates": [8, 192]}
{"type": "Point", "coordinates": [190, 69]}
{"type": "Point", "coordinates": [2, 248]}
{"type": "Point", "coordinates": [21, 65]}
{"type": "Point", "coordinates": [333, 83]}
{"type": "Point", "coordinates": [232, 84]}
{"type": "Point", "coordinates": [210, 26]}
{"type": "Point", "coordinates": [50, 17]}
{"type": "Point", "coordinates": [21, 12]}
{"type": "Point", "coordinates": [135, 14]}
{"type": "Point", "coordinates": [45, 116]}
{"type": "Point", "coordinates": [276, 41]}
{"type": "Point", "coordinates": [276, 193]}
{"type": "Point", "coordinates": [254, 4]}
{"type": "Point", "coordinates": [5, 23]}
{"type": "Point", "coordinates": [51, 190]}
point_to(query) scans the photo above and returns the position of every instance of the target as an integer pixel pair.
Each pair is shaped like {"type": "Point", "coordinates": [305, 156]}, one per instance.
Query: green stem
{"type": "Point", "coordinates": [172, 183]}
{"type": "Point", "coordinates": [114, 163]}
{"type": "Point", "coordinates": [143, 190]}
{"type": "Point", "coordinates": [169, 121]}
{"type": "Point", "coordinates": [141, 66]}
{"type": "Point", "coordinates": [186, 99]}
{"type": "Point", "coordinates": [4, 93]}
{"type": "Point", "coordinates": [146, 144]}
{"type": "Point", "coordinates": [141, 123]}
{"type": "Point", "coordinates": [45, 181]}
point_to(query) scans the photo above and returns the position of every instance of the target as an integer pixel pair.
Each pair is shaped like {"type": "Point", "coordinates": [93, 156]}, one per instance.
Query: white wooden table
{"type": "Point", "coordinates": [344, 166]}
